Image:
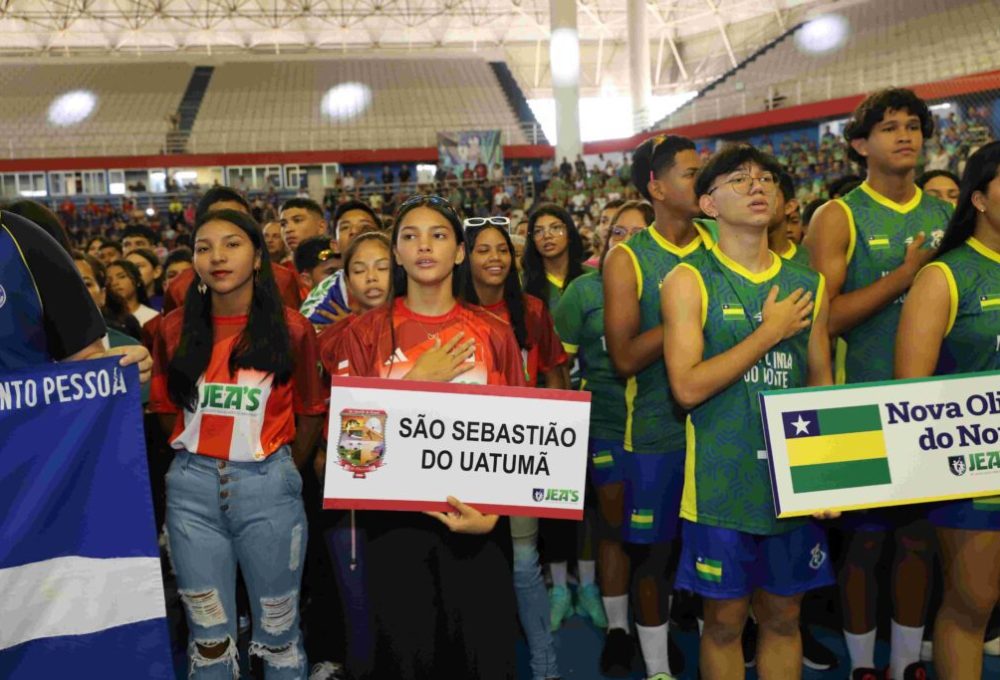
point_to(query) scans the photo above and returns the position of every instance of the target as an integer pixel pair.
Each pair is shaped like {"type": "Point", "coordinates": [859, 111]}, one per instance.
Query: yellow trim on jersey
{"type": "Point", "coordinates": [983, 249]}
{"type": "Point", "coordinates": [852, 229]}
{"type": "Point", "coordinates": [583, 384]}
{"type": "Point", "coordinates": [759, 277]}
{"type": "Point", "coordinates": [885, 201]}
{"type": "Point", "coordinates": [790, 253]}
{"type": "Point", "coordinates": [704, 291]}
{"type": "Point", "coordinates": [631, 388]}
{"type": "Point", "coordinates": [670, 247]}
{"type": "Point", "coordinates": [555, 280]}
{"type": "Point", "coordinates": [570, 348]}
{"type": "Point", "coordinates": [636, 267]}
{"type": "Point", "coordinates": [705, 234]}
{"type": "Point", "coordinates": [952, 292]}
{"type": "Point", "coordinates": [27, 268]}
{"type": "Point", "coordinates": [840, 362]}
{"type": "Point", "coordinates": [820, 290]}
{"type": "Point", "coordinates": [689, 496]}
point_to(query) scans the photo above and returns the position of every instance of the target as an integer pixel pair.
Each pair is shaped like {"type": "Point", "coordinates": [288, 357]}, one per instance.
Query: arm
{"type": "Point", "coordinates": [924, 323]}
{"type": "Point", "coordinates": [827, 242]}
{"type": "Point", "coordinates": [693, 379]}
{"type": "Point", "coordinates": [629, 350]}
{"type": "Point", "coordinates": [820, 368]}
{"type": "Point", "coordinates": [557, 378]}
{"type": "Point", "coordinates": [307, 432]}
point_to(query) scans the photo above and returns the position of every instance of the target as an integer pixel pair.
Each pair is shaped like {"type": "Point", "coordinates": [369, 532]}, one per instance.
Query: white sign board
{"type": "Point", "coordinates": [879, 444]}
{"type": "Point", "coordinates": [407, 445]}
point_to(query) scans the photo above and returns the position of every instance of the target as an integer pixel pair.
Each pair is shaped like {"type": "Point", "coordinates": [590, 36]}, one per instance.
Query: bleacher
{"type": "Point", "coordinates": [882, 50]}
{"type": "Point", "coordinates": [134, 101]}
{"type": "Point", "coordinates": [276, 105]}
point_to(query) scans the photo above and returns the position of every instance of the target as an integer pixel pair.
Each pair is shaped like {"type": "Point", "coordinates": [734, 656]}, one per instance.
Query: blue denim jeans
{"type": "Point", "coordinates": [222, 513]}
{"type": "Point", "coordinates": [533, 600]}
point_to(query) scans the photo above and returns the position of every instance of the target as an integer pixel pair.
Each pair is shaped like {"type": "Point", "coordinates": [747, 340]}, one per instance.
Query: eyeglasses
{"type": "Point", "coordinates": [552, 229]}
{"type": "Point", "coordinates": [427, 198]}
{"type": "Point", "coordinates": [742, 184]}
{"type": "Point", "coordinates": [625, 232]}
{"type": "Point", "coordinates": [498, 221]}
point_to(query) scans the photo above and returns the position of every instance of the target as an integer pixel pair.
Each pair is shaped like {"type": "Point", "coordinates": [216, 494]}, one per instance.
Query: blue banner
{"type": "Point", "coordinates": [80, 577]}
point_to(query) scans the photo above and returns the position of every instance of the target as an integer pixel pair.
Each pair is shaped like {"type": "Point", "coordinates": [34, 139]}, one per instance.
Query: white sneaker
{"type": "Point", "coordinates": [926, 651]}
{"type": "Point", "coordinates": [326, 670]}
{"type": "Point", "coordinates": [992, 647]}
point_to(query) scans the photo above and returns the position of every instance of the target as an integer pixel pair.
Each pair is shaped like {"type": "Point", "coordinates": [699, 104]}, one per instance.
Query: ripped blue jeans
{"type": "Point", "coordinates": [222, 513]}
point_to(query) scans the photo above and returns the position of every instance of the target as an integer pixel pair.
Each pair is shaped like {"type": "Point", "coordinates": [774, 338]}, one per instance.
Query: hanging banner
{"type": "Point", "coordinates": [408, 445]}
{"type": "Point", "coordinates": [852, 447]}
{"type": "Point", "coordinates": [79, 563]}
{"type": "Point", "coordinates": [458, 149]}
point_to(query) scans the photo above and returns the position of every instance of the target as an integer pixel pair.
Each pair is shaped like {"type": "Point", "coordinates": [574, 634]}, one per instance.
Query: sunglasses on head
{"type": "Point", "coordinates": [326, 254]}
{"type": "Point", "coordinates": [474, 222]}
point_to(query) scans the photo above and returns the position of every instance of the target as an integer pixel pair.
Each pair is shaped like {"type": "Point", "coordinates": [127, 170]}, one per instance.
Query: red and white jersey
{"type": "Point", "coordinates": [368, 343]}
{"type": "Point", "coordinates": [545, 350]}
{"type": "Point", "coordinates": [331, 345]}
{"type": "Point", "coordinates": [242, 416]}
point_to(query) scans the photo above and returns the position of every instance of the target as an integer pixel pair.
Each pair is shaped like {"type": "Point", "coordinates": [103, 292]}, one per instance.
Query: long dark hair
{"type": "Point", "coordinates": [114, 312]}
{"type": "Point", "coordinates": [264, 344]}
{"type": "Point", "coordinates": [442, 207]}
{"type": "Point", "coordinates": [154, 262]}
{"type": "Point", "coordinates": [133, 273]}
{"type": "Point", "coordinates": [533, 263]}
{"type": "Point", "coordinates": [512, 294]}
{"type": "Point", "coordinates": [980, 170]}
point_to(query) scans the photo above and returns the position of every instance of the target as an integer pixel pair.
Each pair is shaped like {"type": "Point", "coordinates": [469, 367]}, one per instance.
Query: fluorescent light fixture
{"type": "Point", "coordinates": [33, 194]}
{"type": "Point", "coordinates": [117, 188]}
{"type": "Point", "coordinates": [186, 174]}
{"type": "Point", "coordinates": [72, 108]}
{"type": "Point", "coordinates": [825, 33]}
{"type": "Point", "coordinates": [346, 101]}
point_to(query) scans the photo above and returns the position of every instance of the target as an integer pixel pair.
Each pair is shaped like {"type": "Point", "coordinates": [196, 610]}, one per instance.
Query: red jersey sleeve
{"type": "Point", "coordinates": [331, 342]}
{"type": "Point", "coordinates": [550, 349]}
{"type": "Point", "coordinates": [310, 387]}
{"type": "Point", "coordinates": [288, 286]}
{"type": "Point", "coordinates": [507, 353]}
{"type": "Point", "coordinates": [358, 348]}
{"type": "Point", "coordinates": [173, 294]}
{"type": "Point", "coordinates": [159, 400]}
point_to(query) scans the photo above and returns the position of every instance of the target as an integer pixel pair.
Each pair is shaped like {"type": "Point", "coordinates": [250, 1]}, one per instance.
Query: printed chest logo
{"type": "Point", "coordinates": [222, 399]}
{"type": "Point", "coordinates": [3, 297]}
{"type": "Point", "coordinates": [990, 302]}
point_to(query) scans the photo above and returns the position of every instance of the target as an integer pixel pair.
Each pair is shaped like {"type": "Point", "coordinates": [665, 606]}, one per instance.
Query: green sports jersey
{"type": "Point", "coordinates": [579, 320]}
{"type": "Point", "coordinates": [654, 423]}
{"type": "Point", "coordinates": [972, 337]}
{"type": "Point", "coordinates": [556, 286]}
{"type": "Point", "coordinates": [726, 478]}
{"type": "Point", "coordinates": [797, 253]}
{"type": "Point", "coordinates": [880, 231]}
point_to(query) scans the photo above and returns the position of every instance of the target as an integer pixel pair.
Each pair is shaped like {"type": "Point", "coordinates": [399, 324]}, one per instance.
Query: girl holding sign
{"type": "Point", "coordinates": [240, 370]}
{"type": "Point", "coordinates": [440, 585]}
{"type": "Point", "coordinates": [948, 326]}
{"type": "Point", "coordinates": [490, 279]}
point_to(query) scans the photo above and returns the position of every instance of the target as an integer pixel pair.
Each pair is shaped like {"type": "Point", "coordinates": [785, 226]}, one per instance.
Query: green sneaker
{"type": "Point", "coordinates": [560, 606]}
{"type": "Point", "coordinates": [589, 604]}
{"type": "Point", "coordinates": [661, 676]}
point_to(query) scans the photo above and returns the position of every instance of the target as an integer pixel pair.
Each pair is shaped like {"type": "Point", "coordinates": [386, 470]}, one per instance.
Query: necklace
{"type": "Point", "coordinates": [430, 336]}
